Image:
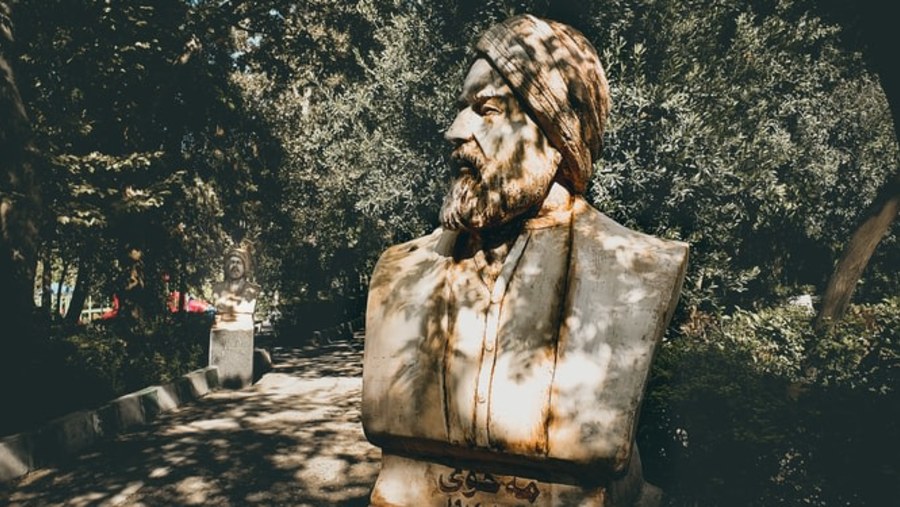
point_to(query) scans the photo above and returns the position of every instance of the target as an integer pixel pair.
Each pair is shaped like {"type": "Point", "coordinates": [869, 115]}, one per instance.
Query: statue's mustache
{"type": "Point", "coordinates": [467, 156]}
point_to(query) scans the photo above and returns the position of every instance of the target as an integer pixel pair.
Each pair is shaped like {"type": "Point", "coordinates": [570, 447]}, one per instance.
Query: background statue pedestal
{"type": "Point", "coordinates": [231, 337]}
{"type": "Point", "coordinates": [231, 350]}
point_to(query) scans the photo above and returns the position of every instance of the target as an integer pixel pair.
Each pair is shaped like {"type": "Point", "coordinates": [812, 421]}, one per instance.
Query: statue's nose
{"type": "Point", "coordinates": [462, 128]}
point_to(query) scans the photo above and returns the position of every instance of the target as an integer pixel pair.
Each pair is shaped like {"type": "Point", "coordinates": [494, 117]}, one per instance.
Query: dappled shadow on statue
{"type": "Point", "coordinates": [293, 439]}
{"type": "Point", "coordinates": [516, 339]}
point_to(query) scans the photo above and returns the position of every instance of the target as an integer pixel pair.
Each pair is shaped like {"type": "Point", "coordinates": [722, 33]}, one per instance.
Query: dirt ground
{"type": "Point", "coordinates": [294, 438]}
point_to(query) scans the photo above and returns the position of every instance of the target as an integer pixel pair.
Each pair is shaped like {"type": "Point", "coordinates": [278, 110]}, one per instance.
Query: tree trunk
{"type": "Point", "coordinates": [182, 288]}
{"type": "Point", "coordinates": [132, 289]}
{"type": "Point", "coordinates": [79, 294]}
{"type": "Point", "coordinates": [875, 223]}
{"type": "Point", "coordinates": [47, 281]}
{"type": "Point", "coordinates": [876, 36]}
{"type": "Point", "coordinates": [19, 201]}
{"type": "Point", "coordinates": [59, 288]}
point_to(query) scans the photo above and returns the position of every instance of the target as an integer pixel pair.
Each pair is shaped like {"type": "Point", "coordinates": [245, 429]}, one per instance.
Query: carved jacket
{"type": "Point", "coordinates": [548, 367]}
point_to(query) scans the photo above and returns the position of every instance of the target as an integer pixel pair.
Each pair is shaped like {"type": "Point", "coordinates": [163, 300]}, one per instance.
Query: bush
{"type": "Point", "coordinates": [759, 409]}
{"type": "Point", "coordinates": [85, 366]}
{"type": "Point", "coordinates": [159, 351]}
{"type": "Point", "coordinates": [97, 358]}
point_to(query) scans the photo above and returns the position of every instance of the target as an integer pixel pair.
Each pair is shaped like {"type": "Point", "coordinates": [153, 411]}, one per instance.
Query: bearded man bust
{"type": "Point", "coordinates": [507, 352]}
{"type": "Point", "coordinates": [235, 297]}
{"type": "Point", "coordinates": [231, 336]}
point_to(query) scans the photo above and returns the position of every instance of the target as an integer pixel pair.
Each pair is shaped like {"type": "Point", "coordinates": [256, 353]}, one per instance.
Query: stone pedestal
{"type": "Point", "coordinates": [415, 482]}
{"type": "Point", "coordinates": [231, 350]}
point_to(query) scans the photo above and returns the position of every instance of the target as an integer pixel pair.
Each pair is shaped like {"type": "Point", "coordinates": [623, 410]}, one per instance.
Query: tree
{"type": "Point", "coordinates": [145, 138]}
{"type": "Point", "coordinates": [354, 115]}
{"type": "Point", "coordinates": [870, 30]}
{"type": "Point", "coordinates": [18, 200]}
{"type": "Point", "coordinates": [748, 130]}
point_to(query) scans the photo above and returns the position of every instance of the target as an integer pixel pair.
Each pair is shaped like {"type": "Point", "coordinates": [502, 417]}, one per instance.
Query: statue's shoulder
{"type": "Point", "coordinates": [219, 288]}
{"type": "Point", "coordinates": [251, 289]}
{"type": "Point", "coordinates": [412, 259]}
{"type": "Point", "coordinates": [601, 232]}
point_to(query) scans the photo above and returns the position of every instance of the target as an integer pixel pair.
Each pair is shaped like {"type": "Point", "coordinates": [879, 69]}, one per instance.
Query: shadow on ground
{"type": "Point", "coordinates": [294, 438]}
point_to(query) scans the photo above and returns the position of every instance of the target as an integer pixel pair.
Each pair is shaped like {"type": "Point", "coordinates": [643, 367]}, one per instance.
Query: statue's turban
{"type": "Point", "coordinates": [243, 254]}
{"type": "Point", "coordinates": [556, 72]}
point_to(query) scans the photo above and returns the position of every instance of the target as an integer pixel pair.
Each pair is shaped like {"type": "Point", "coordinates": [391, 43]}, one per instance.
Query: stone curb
{"type": "Point", "coordinates": [70, 434]}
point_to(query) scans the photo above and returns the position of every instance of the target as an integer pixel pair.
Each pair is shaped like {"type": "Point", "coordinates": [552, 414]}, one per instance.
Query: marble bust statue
{"type": "Point", "coordinates": [235, 297]}
{"type": "Point", "coordinates": [231, 337]}
{"type": "Point", "coordinates": [507, 352]}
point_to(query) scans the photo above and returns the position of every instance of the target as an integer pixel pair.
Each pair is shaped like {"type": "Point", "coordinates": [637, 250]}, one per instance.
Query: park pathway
{"type": "Point", "coordinates": [294, 438]}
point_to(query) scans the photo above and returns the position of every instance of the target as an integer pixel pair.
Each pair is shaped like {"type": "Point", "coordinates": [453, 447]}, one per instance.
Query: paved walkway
{"type": "Point", "coordinates": [294, 438]}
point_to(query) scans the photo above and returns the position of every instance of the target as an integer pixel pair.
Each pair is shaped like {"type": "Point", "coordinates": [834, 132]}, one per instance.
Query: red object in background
{"type": "Point", "coordinates": [112, 312]}
{"type": "Point", "coordinates": [191, 305]}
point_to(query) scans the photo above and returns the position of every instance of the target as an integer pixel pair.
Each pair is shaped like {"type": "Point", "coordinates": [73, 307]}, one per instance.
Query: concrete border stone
{"type": "Point", "coordinates": [128, 411]}
{"type": "Point", "coordinates": [168, 397]}
{"type": "Point", "coordinates": [16, 456]}
{"type": "Point", "coordinates": [212, 377]}
{"type": "Point", "coordinates": [72, 433]}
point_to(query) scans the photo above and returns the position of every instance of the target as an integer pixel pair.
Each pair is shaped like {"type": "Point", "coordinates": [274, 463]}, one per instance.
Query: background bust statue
{"type": "Point", "coordinates": [517, 338]}
{"type": "Point", "coordinates": [235, 297]}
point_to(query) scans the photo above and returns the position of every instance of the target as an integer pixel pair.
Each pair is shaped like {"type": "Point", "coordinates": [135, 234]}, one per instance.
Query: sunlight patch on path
{"type": "Point", "coordinates": [294, 438]}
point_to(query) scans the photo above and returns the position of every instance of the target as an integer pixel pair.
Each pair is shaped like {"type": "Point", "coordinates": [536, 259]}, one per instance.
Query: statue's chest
{"type": "Point", "coordinates": [542, 372]}
{"type": "Point", "coordinates": [500, 344]}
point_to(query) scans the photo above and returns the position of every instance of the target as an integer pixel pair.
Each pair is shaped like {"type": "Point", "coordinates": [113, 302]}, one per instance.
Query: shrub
{"type": "Point", "coordinates": [758, 408]}
{"type": "Point", "coordinates": [161, 350]}
{"type": "Point", "coordinates": [85, 366]}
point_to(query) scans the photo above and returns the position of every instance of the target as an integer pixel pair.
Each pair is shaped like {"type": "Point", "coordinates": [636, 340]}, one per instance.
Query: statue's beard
{"type": "Point", "coordinates": [489, 193]}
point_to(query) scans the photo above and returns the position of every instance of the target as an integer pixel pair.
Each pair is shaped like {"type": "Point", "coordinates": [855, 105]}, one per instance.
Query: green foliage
{"type": "Point", "coordinates": [97, 359]}
{"type": "Point", "coordinates": [164, 349]}
{"type": "Point", "coordinates": [745, 128]}
{"type": "Point", "coordinates": [116, 357]}
{"type": "Point", "coordinates": [363, 157]}
{"type": "Point", "coordinates": [144, 139]}
{"type": "Point", "coordinates": [758, 409]}
{"type": "Point", "coordinates": [748, 131]}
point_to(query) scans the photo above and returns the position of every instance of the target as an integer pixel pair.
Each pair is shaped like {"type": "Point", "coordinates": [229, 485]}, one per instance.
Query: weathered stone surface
{"type": "Point", "coordinates": [231, 337]}
{"type": "Point", "coordinates": [127, 412]}
{"type": "Point", "coordinates": [402, 481]}
{"type": "Point", "coordinates": [168, 397]}
{"type": "Point", "coordinates": [484, 378]}
{"type": "Point", "coordinates": [15, 456]}
{"type": "Point", "coordinates": [65, 436]}
{"type": "Point", "coordinates": [149, 399]}
{"type": "Point", "coordinates": [235, 297]}
{"type": "Point", "coordinates": [212, 377]}
{"type": "Point", "coordinates": [262, 363]}
{"type": "Point", "coordinates": [197, 383]}
{"type": "Point", "coordinates": [231, 351]}
{"type": "Point", "coordinates": [515, 342]}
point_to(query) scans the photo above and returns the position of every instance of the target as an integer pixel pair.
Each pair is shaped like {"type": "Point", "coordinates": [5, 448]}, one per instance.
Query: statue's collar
{"type": "Point", "coordinates": [560, 215]}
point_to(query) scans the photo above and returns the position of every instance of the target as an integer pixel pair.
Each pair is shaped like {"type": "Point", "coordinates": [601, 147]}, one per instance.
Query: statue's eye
{"type": "Point", "coordinates": [487, 107]}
